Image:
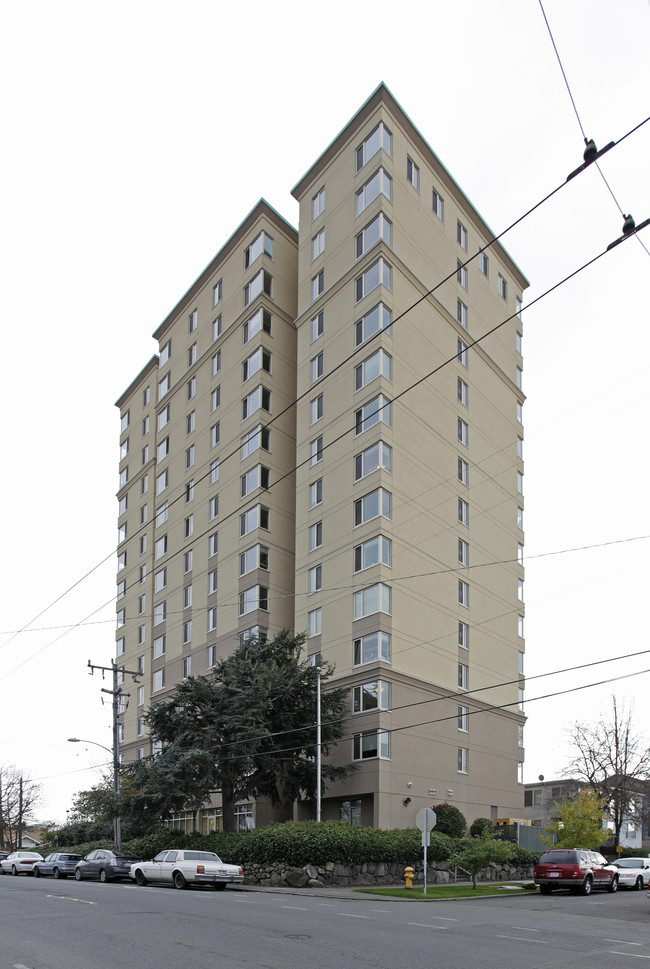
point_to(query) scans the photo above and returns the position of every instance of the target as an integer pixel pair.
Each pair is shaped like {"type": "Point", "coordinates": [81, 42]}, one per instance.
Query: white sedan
{"type": "Point", "coordinates": [181, 868]}
{"type": "Point", "coordinates": [633, 872]}
{"type": "Point", "coordinates": [19, 862]}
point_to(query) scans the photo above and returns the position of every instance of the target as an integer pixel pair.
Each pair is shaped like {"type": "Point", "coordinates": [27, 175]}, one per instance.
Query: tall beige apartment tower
{"type": "Point", "coordinates": [320, 444]}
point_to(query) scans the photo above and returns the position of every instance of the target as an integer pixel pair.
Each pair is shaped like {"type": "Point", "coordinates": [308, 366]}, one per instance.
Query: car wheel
{"type": "Point", "coordinates": [37, 873]}
{"type": "Point", "coordinates": [587, 885]}
{"type": "Point", "coordinates": [613, 885]}
{"type": "Point", "coordinates": [179, 880]}
{"type": "Point", "coordinates": [77, 874]}
{"type": "Point", "coordinates": [103, 877]}
{"type": "Point", "coordinates": [139, 878]}
{"type": "Point", "coordinates": [219, 886]}
{"type": "Point", "coordinates": [13, 870]}
{"type": "Point", "coordinates": [545, 889]}
{"type": "Point", "coordinates": [638, 884]}
{"type": "Point", "coordinates": [56, 873]}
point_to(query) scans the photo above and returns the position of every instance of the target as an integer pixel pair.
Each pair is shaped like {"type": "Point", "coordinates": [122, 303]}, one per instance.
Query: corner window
{"type": "Point", "coordinates": [318, 245]}
{"type": "Point", "coordinates": [317, 326]}
{"type": "Point", "coordinates": [378, 456]}
{"type": "Point", "coordinates": [261, 282]}
{"type": "Point", "coordinates": [379, 228]}
{"type": "Point", "coordinates": [317, 285]}
{"type": "Point", "coordinates": [379, 184]}
{"type": "Point", "coordinates": [375, 504]}
{"type": "Point", "coordinates": [262, 243]}
{"type": "Point", "coordinates": [371, 696]}
{"type": "Point", "coordinates": [318, 204]}
{"type": "Point", "coordinates": [377, 410]}
{"type": "Point", "coordinates": [379, 137]}
{"type": "Point", "coordinates": [376, 598]}
{"type": "Point", "coordinates": [369, 649]}
{"type": "Point", "coordinates": [375, 551]}
{"type": "Point", "coordinates": [379, 364]}
{"type": "Point", "coordinates": [413, 174]}
{"type": "Point", "coordinates": [371, 743]}
{"type": "Point", "coordinates": [379, 318]}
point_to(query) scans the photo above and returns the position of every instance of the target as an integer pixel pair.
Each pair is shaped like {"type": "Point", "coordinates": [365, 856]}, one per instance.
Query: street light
{"type": "Point", "coordinates": [115, 757]}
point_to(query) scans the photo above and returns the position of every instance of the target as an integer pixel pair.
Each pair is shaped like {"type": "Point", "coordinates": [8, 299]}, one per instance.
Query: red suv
{"type": "Point", "coordinates": [574, 868]}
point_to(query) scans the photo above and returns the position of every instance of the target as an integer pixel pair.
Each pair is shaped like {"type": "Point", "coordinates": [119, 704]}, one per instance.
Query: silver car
{"type": "Point", "coordinates": [633, 872]}
{"type": "Point", "coordinates": [181, 868]}
{"type": "Point", "coordinates": [20, 862]}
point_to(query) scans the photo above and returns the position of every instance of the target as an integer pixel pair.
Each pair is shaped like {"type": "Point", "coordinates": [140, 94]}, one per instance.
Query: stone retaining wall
{"type": "Point", "coordinates": [372, 873]}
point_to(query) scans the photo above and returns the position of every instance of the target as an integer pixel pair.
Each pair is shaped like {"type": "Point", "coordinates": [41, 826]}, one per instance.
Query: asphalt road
{"type": "Point", "coordinates": [47, 924]}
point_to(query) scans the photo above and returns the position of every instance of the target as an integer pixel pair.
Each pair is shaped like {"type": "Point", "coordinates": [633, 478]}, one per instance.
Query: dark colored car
{"type": "Point", "coordinates": [574, 868]}
{"type": "Point", "coordinates": [59, 865]}
{"type": "Point", "coordinates": [105, 864]}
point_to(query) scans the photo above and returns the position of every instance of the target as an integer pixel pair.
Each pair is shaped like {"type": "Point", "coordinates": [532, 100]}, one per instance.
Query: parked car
{"type": "Point", "coordinates": [574, 868]}
{"type": "Point", "coordinates": [4, 854]}
{"type": "Point", "coordinates": [105, 864]}
{"type": "Point", "coordinates": [633, 872]}
{"type": "Point", "coordinates": [59, 865]}
{"type": "Point", "coordinates": [20, 862]}
{"type": "Point", "coordinates": [188, 867]}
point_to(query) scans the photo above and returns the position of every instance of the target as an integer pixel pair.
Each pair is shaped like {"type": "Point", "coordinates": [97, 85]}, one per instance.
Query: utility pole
{"type": "Point", "coordinates": [318, 746]}
{"type": "Point", "coordinates": [117, 695]}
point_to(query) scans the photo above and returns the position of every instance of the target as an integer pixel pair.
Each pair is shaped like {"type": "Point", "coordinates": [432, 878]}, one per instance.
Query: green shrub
{"type": "Point", "coordinates": [479, 826]}
{"type": "Point", "coordinates": [450, 820]}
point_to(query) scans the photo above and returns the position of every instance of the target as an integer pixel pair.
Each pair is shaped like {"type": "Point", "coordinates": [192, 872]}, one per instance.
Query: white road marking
{"type": "Point", "coordinates": [347, 915]}
{"type": "Point", "coordinates": [443, 919]}
{"type": "Point", "coordinates": [68, 899]}
{"type": "Point", "coordinates": [521, 938]}
{"type": "Point", "coordinates": [524, 928]}
{"type": "Point", "coordinates": [630, 955]}
{"type": "Point", "coordinates": [622, 942]}
{"type": "Point", "coordinates": [295, 908]}
{"type": "Point", "coordinates": [424, 925]}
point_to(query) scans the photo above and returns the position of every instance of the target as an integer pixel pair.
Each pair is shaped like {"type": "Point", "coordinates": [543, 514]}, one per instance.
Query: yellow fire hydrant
{"type": "Point", "coordinates": [408, 877]}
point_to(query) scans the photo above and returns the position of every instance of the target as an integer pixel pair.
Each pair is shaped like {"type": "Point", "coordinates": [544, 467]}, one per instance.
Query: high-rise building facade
{"type": "Point", "coordinates": [320, 445]}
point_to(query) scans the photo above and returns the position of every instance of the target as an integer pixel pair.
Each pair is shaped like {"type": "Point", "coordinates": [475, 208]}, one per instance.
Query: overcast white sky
{"type": "Point", "coordinates": [136, 138]}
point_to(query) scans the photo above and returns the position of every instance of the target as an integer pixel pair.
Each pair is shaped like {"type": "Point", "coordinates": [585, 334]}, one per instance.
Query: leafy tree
{"type": "Point", "coordinates": [247, 730]}
{"type": "Point", "coordinates": [19, 797]}
{"type": "Point", "coordinates": [479, 826]}
{"type": "Point", "coordinates": [481, 851]}
{"type": "Point", "coordinates": [614, 761]}
{"type": "Point", "coordinates": [578, 822]}
{"type": "Point", "coordinates": [450, 820]}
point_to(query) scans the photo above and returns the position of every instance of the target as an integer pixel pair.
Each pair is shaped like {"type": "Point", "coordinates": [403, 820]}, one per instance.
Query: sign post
{"type": "Point", "coordinates": [426, 820]}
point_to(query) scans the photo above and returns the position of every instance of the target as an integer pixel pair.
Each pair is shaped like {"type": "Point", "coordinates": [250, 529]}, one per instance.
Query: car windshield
{"type": "Point", "coordinates": [201, 856]}
{"type": "Point", "coordinates": [558, 858]}
{"type": "Point", "coordinates": [70, 857]}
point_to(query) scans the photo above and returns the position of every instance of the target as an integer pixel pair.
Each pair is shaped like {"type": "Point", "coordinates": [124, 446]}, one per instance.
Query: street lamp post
{"type": "Point", "coordinates": [115, 757]}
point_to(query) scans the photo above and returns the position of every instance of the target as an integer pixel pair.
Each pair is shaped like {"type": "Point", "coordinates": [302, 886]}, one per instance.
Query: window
{"type": "Point", "coordinates": [215, 434]}
{"type": "Point", "coordinates": [520, 704]}
{"type": "Point", "coordinates": [212, 581]}
{"type": "Point", "coordinates": [518, 312]}
{"type": "Point", "coordinates": [379, 318]}
{"type": "Point", "coordinates": [121, 533]}
{"type": "Point", "coordinates": [187, 632]}
{"type": "Point", "coordinates": [143, 544]}
{"type": "Point", "coordinates": [216, 363]}
{"type": "Point", "coordinates": [259, 321]}
{"type": "Point", "coordinates": [375, 598]}
{"type": "Point", "coordinates": [257, 597]}
{"type": "Point", "coordinates": [463, 552]}
{"type": "Point", "coordinates": [162, 450]}
{"type": "Point", "coordinates": [212, 619]}
{"type": "Point", "coordinates": [160, 580]}
{"type": "Point", "coordinates": [124, 476]}
{"type": "Point", "coordinates": [256, 557]}
{"type": "Point", "coordinates": [519, 377]}
{"type": "Point", "coordinates": [163, 417]}
{"type": "Point", "coordinates": [461, 235]}
{"type": "Point", "coordinates": [463, 676]}
{"type": "Point", "coordinates": [187, 661]}
{"type": "Point", "coordinates": [316, 493]}
{"type": "Point", "coordinates": [438, 206]}
{"type": "Point", "coordinates": [413, 174]}
{"type": "Point", "coordinates": [518, 339]}
{"type": "Point", "coordinates": [379, 137]}
{"type": "Point", "coordinates": [123, 504]}
{"type": "Point", "coordinates": [502, 287]}
{"type": "Point", "coordinates": [463, 760]}
{"type": "Point", "coordinates": [189, 526]}
{"type": "Point", "coordinates": [256, 517]}
{"type": "Point", "coordinates": [159, 647]}
{"type": "Point", "coordinates": [216, 328]}
{"type": "Point", "coordinates": [140, 695]}
{"type": "Point", "coordinates": [160, 612]}
{"type": "Point", "coordinates": [371, 743]}
{"type": "Point", "coordinates": [259, 436]}
{"type": "Point", "coordinates": [258, 398]}
{"type": "Point", "coordinates": [146, 396]}
{"type": "Point", "coordinates": [260, 244]}
{"type": "Point", "coordinates": [124, 448]}
{"type": "Point", "coordinates": [379, 228]}
{"type": "Point", "coordinates": [316, 409]}
{"type": "Point", "coordinates": [189, 457]}
{"type": "Point", "coordinates": [187, 560]}
{"type": "Point", "coordinates": [520, 518]}
{"type": "Point", "coordinates": [165, 353]}
{"type": "Point", "coordinates": [191, 355]}
{"type": "Point", "coordinates": [315, 578]}
{"type": "Point", "coordinates": [463, 432]}
{"type": "Point", "coordinates": [318, 244]}
{"type": "Point", "coordinates": [375, 551]}
{"type": "Point", "coordinates": [463, 512]}
{"type": "Point", "coordinates": [257, 477]}
{"type": "Point", "coordinates": [380, 273]}
{"type": "Point", "coordinates": [315, 451]}
{"type": "Point", "coordinates": [369, 649]}
{"type": "Point", "coordinates": [158, 680]}
{"type": "Point", "coordinates": [520, 447]}
{"type": "Point", "coordinates": [315, 536]}
{"type": "Point", "coordinates": [461, 274]}
{"type": "Point", "coordinates": [371, 696]}
{"type": "Point", "coordinates": [314, 624]}
{"type": "Point", "coordinates": [144, 484]}
{"type": "Point", "coordinates": [483, 264]}
{"type": "Point", "coordinates": [462, 353]}
{"type": "Point", "coordinates": [121, 589]}
{"type": "Point", "coordinates": [214, 507]}
{"type": "Point", "coordinates": [463, 635]}
{"type": "Point", "coordinates": [533, 797]}
{"type": "Point", "coordinates": [317, 285]}
{"type": "Point", "coordinates": [213, 544]}
{"type": "Point", "coordinates": [190, 422]}
{"type": "Point", "coordinates": [379, 184]}
{"type": "Point", "coordinates": [260, 360]}
{"type": "Point", "coordinates": [261, 282]}
{"type": "Point", "coordinates": [520, 413]}
{"type": "Point", "coordinates": [318, 204]}
{"type": "Point", "coordinates": [162, 514]}
{"type": "Point", "coordinates": [253, 632]}
{"type": "Point", "coordinates": [211, 656]}
{"type": "Point", "coordinates": [462, 392]}
{"type": "Point", "coordinates": [463, 593]}
{"type": "Point", "coordinates": [217, 292]}
{"type": "Point", "coordinates": [316, 367]}
{"type": "Point", "coordinates": [379, 364]}
{"type": "Point", "coordinates": [378, 456]}
{"type": "Point", "coordinates": [520, 735]}
{"type": "Point", "coordinates": [461, 313]}
{"type": "Point", "coordinates": [317, 325]}
{"type": "Point", "coordinates": [520, 626]}
{"type": "Point", "coordinates": [161, 547]}
{"type": "Point", "coordinates": [191, 388]}
{"type": "Point", "coordinates": [379, 409]}
{"type": "Point", "coordinates": [463, 718]}
{"type": "Point", "coordinates": [143, 574]}
{"type": "Point", "coordinates": [164, 385]}
{"type": "Point", "coordinates": [372, 505]}
{"type": "Point", "coordinates": [124, 421]}
{"type": "Point", "coordinates": [520, 482]}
